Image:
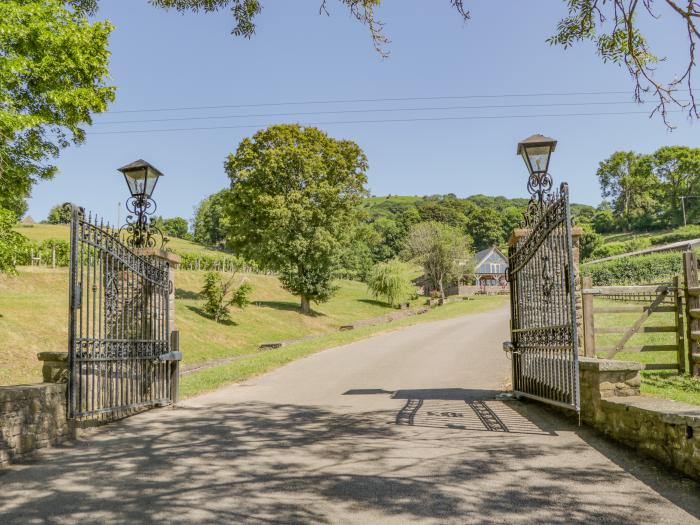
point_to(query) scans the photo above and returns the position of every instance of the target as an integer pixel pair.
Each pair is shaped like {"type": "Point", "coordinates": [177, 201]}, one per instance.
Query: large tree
{"type": "Point", "coordinates": [627, 180]}
{"type": "Point", "coordinates": [443, 251]}
{"type": "Point", "coordinates": [210, 222]}
{"type": "Point", "coordinates": [53, 70]}
{"type": "Point", "coordinates": [677, 169]}
{"type": "Point", "coordinates": [59, 214]}
{"type": "Point", "coordinates": [175, 227]}
{"type": "Point", "coordinates": [645, 190]}
{"type": "Point", "coordinates": [293, 205]}
{"type": "Point", "coordinates": [613, 26]}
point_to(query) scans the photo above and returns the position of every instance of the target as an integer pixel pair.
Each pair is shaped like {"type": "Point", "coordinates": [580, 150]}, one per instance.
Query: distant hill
{"type": "Point", "coordinates": [383, 206]}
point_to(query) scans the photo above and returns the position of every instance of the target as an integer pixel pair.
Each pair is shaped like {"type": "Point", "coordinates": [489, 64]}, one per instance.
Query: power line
{"type": "Point", "coordinates": [382, 121]}
{"type": "Point", "coordinates": [379, 110]}
{"type": "Point", "coordinates": [362, 100]}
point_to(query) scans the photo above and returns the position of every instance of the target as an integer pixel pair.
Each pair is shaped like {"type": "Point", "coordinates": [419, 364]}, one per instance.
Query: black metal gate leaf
{"type": "Point", "coordinates": [543, 304]}
{"type": "Point", "coordinates": [118, 324]}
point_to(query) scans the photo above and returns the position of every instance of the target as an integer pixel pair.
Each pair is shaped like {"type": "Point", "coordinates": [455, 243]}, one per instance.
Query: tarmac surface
{"type": "Point", "coordinates": [405, 427]}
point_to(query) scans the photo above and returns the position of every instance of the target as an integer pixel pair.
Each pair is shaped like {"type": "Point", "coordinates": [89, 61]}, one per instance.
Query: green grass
{"type": "Point", "coordinates": [628, 236]}
{"type": "Point", "coordinates": [666, 384]}
{"type": "Point", "coordinates": [216, 377]}
{"type": "Point", "coordinates": [34, 318]}
{"type": "Point", "coordinates": [43, 232]}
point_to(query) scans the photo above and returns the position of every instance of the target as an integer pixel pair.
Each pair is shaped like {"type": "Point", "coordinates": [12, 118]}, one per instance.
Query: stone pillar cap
{"type": "Point", "coordinates": [173, 258]}
{"type": "Point", "coordinates": [52, 356]}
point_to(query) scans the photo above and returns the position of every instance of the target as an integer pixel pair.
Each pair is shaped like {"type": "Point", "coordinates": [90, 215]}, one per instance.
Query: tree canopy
{"type": "Point", "coordinates": [645, 190]}
{"type": "Point", "coordinates": [53, 73]}
{"type": "Point", "coordinates": [293, 205]}
{"type": "Point", "coordinates": [613, 26]}
{"type": "Point", "coordinates": [59, 214]}
{"type": "Point", "coordinates": [175, 227]}
{"type": "Point", "coordinates": [443, 251]}
{"type": "Point", "coordinates": [210, 222]}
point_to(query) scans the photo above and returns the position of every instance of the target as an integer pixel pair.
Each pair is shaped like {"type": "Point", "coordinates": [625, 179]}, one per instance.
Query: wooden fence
{"type": "Point", "coordinates": [645, 301]}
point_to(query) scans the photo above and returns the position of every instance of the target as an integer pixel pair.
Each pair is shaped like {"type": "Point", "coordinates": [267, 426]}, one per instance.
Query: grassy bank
{"type": "Point", "coordinates": [213, 378]}
{"type": "Point", "coordinates": [34, 318]}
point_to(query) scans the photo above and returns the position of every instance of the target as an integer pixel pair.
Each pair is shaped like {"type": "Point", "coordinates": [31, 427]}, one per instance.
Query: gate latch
{"type": "Point", "coordinates": [171, 356]}
{"type": "Point", "coordinates": [509, 347]}
{"type": "Point", "coordinates": [77, 296]}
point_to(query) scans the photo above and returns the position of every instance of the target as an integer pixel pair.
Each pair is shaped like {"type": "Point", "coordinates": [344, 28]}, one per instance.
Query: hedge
{"type": "Point", "coordinates": [642, 269]}
{"type": "Point", "coordinates": [42, 254]}
{"type": "Point", "coordinates": [692, 231]}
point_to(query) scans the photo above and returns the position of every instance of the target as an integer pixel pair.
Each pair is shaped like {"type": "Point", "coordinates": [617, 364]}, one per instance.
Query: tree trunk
{"type": "Point", "coordinates": [442, 290]}
{"type": "Point", "coordinates": [305, 305]}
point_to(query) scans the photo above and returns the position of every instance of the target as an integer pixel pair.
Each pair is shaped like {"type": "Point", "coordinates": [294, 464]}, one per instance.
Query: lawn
{"type": "Point", "coordinates": [659, 383]}
{"type": "Point", "coordinates": [33, 318]}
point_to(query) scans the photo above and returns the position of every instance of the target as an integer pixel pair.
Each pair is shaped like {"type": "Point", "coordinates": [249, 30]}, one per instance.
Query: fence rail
{"type": "Point", "coordinates": [664, 298]}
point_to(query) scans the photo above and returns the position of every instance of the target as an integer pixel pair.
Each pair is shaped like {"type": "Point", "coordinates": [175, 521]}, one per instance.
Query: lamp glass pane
{"type": "Point", "coordinates": [537, 157]}
{"type": "Point", "coordinates": [136, 179]}
{"type": "Point", "coordinates": [150, 182]}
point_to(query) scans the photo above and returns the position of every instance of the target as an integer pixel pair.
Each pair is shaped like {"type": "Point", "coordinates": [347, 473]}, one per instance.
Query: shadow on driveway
{"type": "Point", "coordinates": [260, 462]}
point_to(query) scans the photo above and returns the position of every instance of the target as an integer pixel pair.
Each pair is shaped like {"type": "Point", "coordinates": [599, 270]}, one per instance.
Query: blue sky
{"type": "Point", "coordinates": [168, 60]}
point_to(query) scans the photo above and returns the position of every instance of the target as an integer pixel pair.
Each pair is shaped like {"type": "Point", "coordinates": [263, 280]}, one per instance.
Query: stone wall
{"type": "Point", "coordinates": [665, 430]}
{"type": "Point", "coordinates": [31, 417]}
{"type": "Point", "coordinates": [34, 416]}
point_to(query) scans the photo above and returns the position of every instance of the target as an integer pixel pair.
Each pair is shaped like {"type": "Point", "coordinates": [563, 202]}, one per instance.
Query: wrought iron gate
{"type": "Point", "coordinates": [544, 340]}
{"type": "Point", "coordinates": [118, 324]}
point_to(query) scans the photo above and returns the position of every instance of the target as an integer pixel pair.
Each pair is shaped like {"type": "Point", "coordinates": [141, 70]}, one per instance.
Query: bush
{"type": "Point", "coordinates": [391, 282]}
{"type": "Point", "coordinates": [642, 269]}
{"type": "Point", "coordinates": [589, 241]}
{"type": "Point", "coordinates": [220, 295]}
{"type": "Point", "coordinates": [683, 233]}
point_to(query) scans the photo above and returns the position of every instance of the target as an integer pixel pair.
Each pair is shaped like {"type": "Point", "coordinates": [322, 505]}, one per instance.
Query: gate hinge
{"type": "Point", "coordinates": [77, 296]}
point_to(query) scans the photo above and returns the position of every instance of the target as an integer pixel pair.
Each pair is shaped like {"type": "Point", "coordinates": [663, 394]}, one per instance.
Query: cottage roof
{"type": "Point", "coordinates": [483, 255]}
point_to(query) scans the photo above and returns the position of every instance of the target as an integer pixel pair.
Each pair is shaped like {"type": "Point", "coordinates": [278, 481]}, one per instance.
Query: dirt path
{"type": "Point", "coordinates": [400, 428]}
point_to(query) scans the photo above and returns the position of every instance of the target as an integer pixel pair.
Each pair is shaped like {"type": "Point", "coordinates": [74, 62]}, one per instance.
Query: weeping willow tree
{"type": "Point", "coordinates": [391, 281]}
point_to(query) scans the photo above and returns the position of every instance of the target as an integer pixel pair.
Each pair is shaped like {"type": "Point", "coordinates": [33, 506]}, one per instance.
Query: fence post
{"type": "Point", "coordinates": [588, 319]}
{"type": "Point", "coordinates": [692, 307]}
{"type": "Point", "coordinates": [680, 336]}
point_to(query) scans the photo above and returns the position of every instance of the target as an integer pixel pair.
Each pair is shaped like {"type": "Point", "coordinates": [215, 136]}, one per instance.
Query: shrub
{"type": "Point", "coordinates": [391, 282]}
{"type": "Point", "coordinates": [642, 269]}
{"type": "Point", "coordinates": [589, 241]}
{"type": "Point", "coordinates": [220, 295]}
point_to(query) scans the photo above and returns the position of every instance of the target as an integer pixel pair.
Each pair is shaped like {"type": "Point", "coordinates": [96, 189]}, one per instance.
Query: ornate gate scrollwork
{"type": "Point", "coordinates": [544, 340]}
{"type": "Point", "coordinates": [118, 324]}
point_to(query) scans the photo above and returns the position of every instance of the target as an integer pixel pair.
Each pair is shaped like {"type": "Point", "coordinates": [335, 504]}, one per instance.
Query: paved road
{"type": "Point", "coordinates": [400, 428]}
